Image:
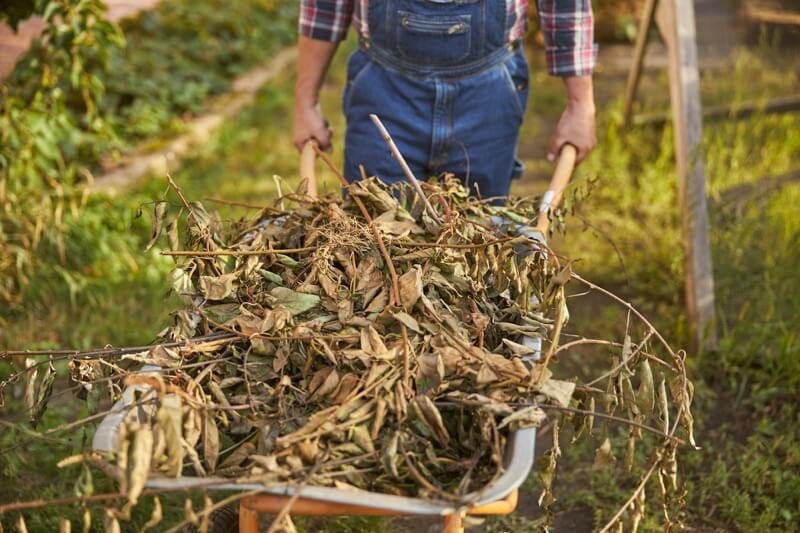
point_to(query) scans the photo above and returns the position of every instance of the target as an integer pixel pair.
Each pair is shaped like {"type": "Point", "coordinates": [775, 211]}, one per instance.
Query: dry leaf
{"type": "Point", "coordinates": [410, 287]}
{"type": "Point", "coordinates": [210, 442]}
{"type": "Point", "coordinates": [159, 214]}
{"type": "Point", "coordinates": [558, 391]}
{"type": "Point", "coordinates": [139, 464]}
{"type": "Point", "coordinates": [218, 287]}
{"type": "Point", "coordinates": [603, 456]}
{"type": "Point", "coordinates": [155, 517]}
{"type": "Point", "coordinates": [170, 421]}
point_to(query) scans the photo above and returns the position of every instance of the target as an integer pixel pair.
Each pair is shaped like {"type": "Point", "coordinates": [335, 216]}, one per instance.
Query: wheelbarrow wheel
{"type": "Point", "coordinates": [223, 520]}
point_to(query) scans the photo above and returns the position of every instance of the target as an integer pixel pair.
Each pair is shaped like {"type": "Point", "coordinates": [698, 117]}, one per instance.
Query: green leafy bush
{"type": "Point", "coordinates": [80, 95]}
{"type": "Point", "coordinates": [45, 117]}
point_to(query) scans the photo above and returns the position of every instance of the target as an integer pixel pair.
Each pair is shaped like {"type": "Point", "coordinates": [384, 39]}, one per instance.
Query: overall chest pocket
{"type": "Point", "coordinates": [433, 39]}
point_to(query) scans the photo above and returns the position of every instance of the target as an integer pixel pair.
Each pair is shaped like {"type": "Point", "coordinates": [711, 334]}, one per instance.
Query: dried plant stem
{"type": "Point", "coordinates": [38, 504]}
{"type": "Point", "coordinates": [681, 408]}
{"type": "Point", "coordinates": [462, 246]}
{"type": "Point", "coordinates": [77, 423]}
{"type": "Point", "coordinates": [379, 242]}
{"type": "Point", "coordinates": [29, 432]}
{"type": "Point", "coordinates": [235, 204]}
{"type": "Point", "coordinates": [404, 165]}
{"type": "Point", "coordinates": [556, 336]}
{"type": "Point", "coordinates": [179, 192]}
{"type": "Point", "coordinates": [634, 311]}
{"type": "Point", "coordinates": [622, 363]}
{"type": "Point", "coordinates": [91, 354]}
{"type": "Point", "coordinates": [406, 359]}
{"type": "Point", "coordinates": [210, 509]}
{"type": "Point", "coordinates": [296, 495]}
{"type": "Point", "coordinates": [299, 338]}
{"type": "Point", "coordinates": [601, 342]}
{"type": "Point", "coordinates": [679, 363]}
{"type": "Point", "coordinates": [611, 418]}
{"type": "Point", "coordinates": [395, 292]}
{"type": "Point", "coordinates": [240, 253]}
{"type": "Point", "coordinates": [559, 408]}
{"type": "Point", "coordinates": [613, 520]}
{"type": "Point", "coordinates": [279, 194]}
{"type": "Point", "coordinates": [417, 475]}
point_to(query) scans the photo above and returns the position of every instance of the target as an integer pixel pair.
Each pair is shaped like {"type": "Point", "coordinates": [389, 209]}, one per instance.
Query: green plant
{"type": "Point", "coordinates": [39, 133]}
{"type": "Point", "coordinates": [79, 96]}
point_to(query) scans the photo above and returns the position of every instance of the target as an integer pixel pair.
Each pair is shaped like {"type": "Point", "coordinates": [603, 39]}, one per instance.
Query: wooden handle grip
{"type": "Point", "coordinates": [565, 166]}
{"type": "Point", "coordinates": [308, 167]}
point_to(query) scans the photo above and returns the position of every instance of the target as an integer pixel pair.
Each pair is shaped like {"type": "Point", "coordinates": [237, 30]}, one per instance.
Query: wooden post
{"type": "Point", "coordinates": [638, 59]}
{"type": "Point", "coordinates": [676, 22]}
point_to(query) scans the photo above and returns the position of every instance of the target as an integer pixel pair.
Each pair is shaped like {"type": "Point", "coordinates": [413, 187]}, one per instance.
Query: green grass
{"type": "Point", "coordinates": [626, 236]}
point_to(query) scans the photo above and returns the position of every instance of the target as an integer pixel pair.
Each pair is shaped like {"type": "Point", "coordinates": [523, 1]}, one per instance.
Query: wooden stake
{"type": "Point", "coordinates": [638, 59]}
{"type": "Point", "coordinates": [676, 22]}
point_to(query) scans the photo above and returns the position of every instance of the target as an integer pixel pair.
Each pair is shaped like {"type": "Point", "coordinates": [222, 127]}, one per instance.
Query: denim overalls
{"type": "Point", "coordinates": [448, 86]}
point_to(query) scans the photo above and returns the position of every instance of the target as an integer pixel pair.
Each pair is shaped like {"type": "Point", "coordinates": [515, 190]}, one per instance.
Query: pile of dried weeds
{"type": "Point", "coordinates": [383, 341]}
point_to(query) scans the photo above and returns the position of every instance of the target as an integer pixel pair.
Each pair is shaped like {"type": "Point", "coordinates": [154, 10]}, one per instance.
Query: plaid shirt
{"type": "Point", "coordinates": [568, 27]}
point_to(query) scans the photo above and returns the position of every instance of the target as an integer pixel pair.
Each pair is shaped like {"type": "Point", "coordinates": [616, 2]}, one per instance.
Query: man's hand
{"type": "Point", "coordinates": [313, 58]}
{"type": "Point", "coordinates": [310, 124]}
{"type": "Point", "coordinates": [576, 125]}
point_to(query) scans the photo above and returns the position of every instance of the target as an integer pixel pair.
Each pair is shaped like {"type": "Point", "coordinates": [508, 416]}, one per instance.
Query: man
{"type": "Point", "coordinates": [449, 79]}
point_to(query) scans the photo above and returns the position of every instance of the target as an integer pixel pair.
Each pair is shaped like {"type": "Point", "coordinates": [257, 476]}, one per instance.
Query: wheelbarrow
{"type": "Point", "coordinates": [498, 498]}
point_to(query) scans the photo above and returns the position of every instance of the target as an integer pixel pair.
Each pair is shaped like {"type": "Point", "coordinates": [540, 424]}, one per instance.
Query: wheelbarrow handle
{"type": "Point", "coordinates": [565, 166]}
{"type": "Point", "coordinates": [308, 167]}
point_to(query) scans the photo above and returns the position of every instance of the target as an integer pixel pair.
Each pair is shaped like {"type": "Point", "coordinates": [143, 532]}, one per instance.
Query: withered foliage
{"type": "Point", "coordinates": [381, 341]}
{"type": "Point", "coordinates": [397, 377]}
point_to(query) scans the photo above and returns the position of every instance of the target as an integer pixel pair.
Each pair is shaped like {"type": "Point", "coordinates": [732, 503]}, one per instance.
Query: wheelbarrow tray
{"type": "Point", "coordinates": [518, 461]}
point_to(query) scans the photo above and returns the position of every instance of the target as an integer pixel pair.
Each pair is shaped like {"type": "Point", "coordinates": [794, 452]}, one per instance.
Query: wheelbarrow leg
{"type": "Point", "coordinates": [248, 520]}
{"type": "Point", "coordinates": [453, 523]}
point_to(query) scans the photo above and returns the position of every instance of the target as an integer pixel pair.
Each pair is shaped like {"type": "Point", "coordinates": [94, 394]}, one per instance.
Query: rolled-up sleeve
{"type": "Point", "coordinates": [325, 20]}
{"type": "Point", "coordinates": [568, 28]}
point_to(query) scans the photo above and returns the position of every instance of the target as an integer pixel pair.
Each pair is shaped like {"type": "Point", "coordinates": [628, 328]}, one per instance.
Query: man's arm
{"type": "Point", "coordinates": [313, 59]}
{"type": "Point", "coordinates": [568, 27]}
{"type": "Point", "coordinates": [322, 25]}
{"type": "Point", "coordinates": [577, 123]}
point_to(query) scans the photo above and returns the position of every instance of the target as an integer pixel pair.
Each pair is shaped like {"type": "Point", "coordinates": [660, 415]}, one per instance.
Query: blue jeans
{"type": "Point", "coordinates": [449, 89]}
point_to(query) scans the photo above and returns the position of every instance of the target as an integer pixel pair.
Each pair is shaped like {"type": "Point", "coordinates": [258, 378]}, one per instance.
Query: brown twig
{"type": "Point", "coordinates": [39, 503]}
{"type": "Point", "coordinates": [395, 292]}
{"type": "Point", "coordinates": [622, 363]}
{"type": "Point", "coordinates": [554, 338]}
{"type": "Point", "coordinates": [238, 253]}
{"type": "Point", "coordinates": [210, 509]}
{"type": "Point", "coordinates": [235, 204]}
{"type": "Point", "coordinates": [296, 495]}
{"type": "Point", "coordinates": [635, 494]}
{"type": "Point", "coordinates": [406, 359]}
{"type": "Point", "coordinates": [551, 407]}
{"type": "Point", "coordinates": [99, 352]}
{"type": "Point", "coordinates": [94, 354]}
{"type": "Point", "coordinates": [404, 165]}
{"type": "Point", "coordinates": [633, 310]}
{"type": "Point", "coordinates": [465, 246]}
{"type": "Point", "coordinates": [611, 418]}
{"type": "Point", "coordinates": [601, 342]}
